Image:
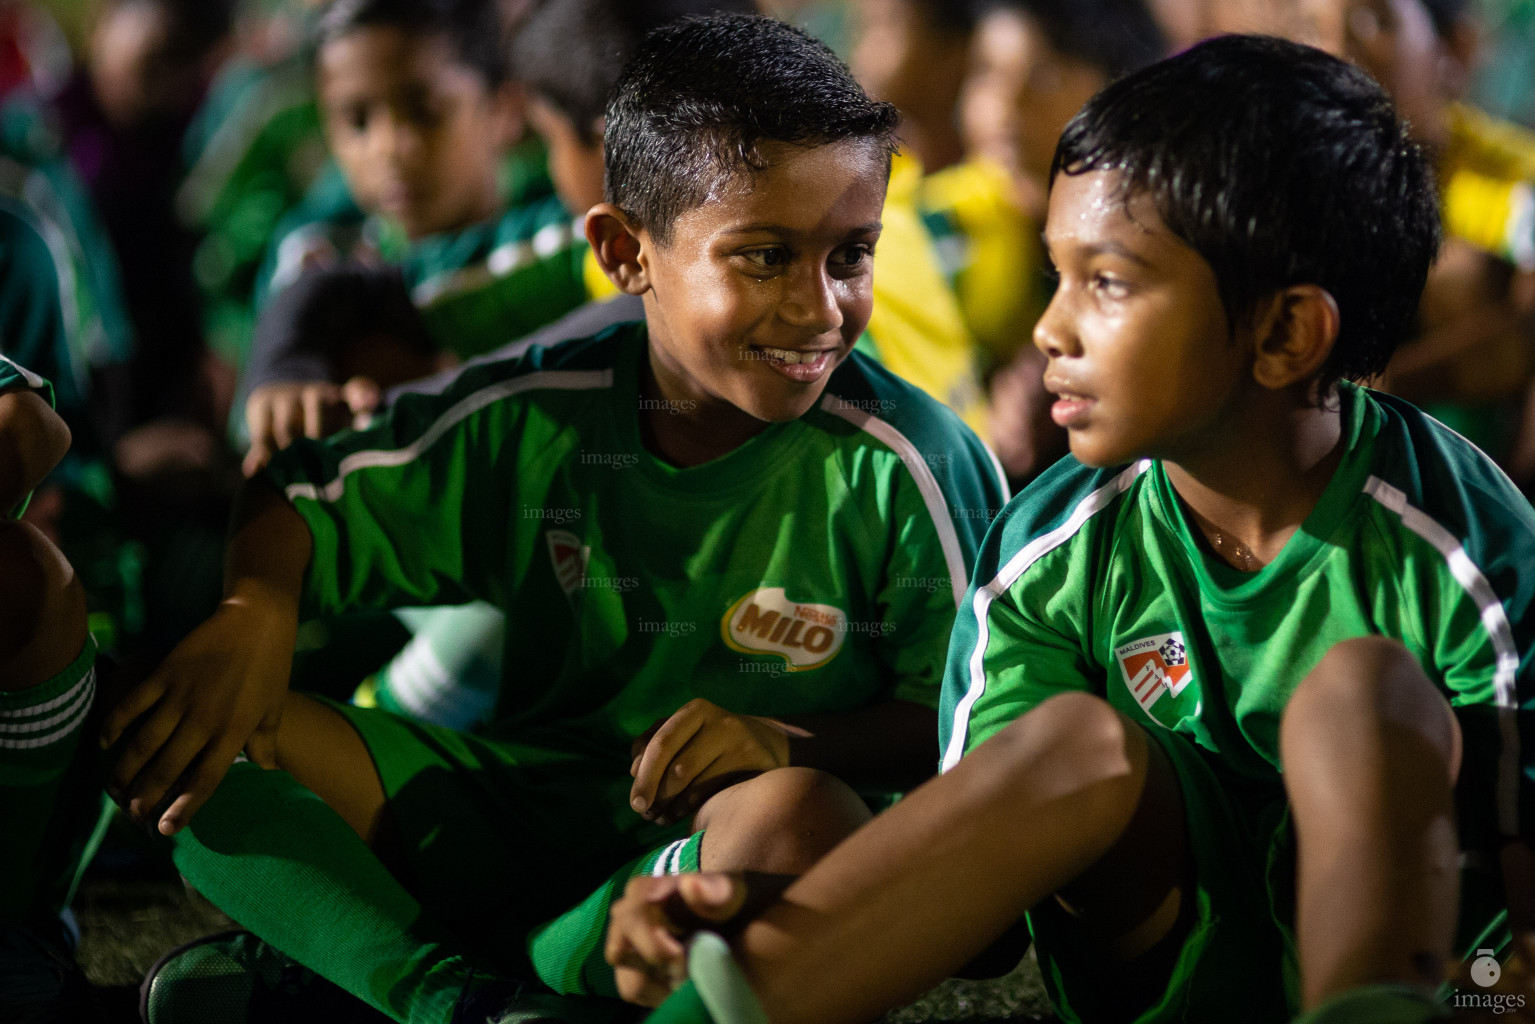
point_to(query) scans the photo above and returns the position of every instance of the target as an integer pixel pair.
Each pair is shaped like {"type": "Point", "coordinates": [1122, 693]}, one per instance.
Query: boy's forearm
{"type": "Point", "coordinates": [268, 551]}
{"type": "Point", "coordinates": [891, 746]}
{"type": "Point", "coordinates": [33, 438]}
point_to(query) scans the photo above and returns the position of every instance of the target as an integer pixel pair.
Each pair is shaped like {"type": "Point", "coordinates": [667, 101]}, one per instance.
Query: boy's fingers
{"type": "Point", "coordinates": [712, 895]}
{"type": "Point", "coordinates": [643, 740]}
{"type": "Point", "coordinates": [657, 757]}
{"type": "Point", "coordinates": [688, 765]}
{"type": "Point", "coordinates": [287, 421]}
{"type": "Point", "coordinates": [139, 748]}
{"type": "Point", "coordinates": [313, 399]}
{"type": "Point", "coordinates": [157, 781]}
{"type": "Point", "coordinates": [199, 786]}
{"type": "Point", "coordinates": [259, 455]}
{"type": "Point", "coordinates": [135, 702]}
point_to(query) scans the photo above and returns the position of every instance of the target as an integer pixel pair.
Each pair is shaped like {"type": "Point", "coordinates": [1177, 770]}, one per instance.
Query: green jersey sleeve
{"type": "Point", "coordinates": [406, 512]}
{"type": "Point", "coordinates": [14, 377]}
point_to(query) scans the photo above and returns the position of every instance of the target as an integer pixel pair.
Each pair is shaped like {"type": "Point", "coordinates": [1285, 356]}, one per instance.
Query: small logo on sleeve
{"type": "Point", "coordinates": [569, 556]}
{"type": "Point", "coordinates": [1155, 665]}
{"type": "Point", "coordinates": [765, 621]}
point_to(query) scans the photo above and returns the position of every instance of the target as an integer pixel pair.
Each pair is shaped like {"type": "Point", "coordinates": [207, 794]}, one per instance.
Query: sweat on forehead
{"type": "Point", "coordinates": [700, 101]}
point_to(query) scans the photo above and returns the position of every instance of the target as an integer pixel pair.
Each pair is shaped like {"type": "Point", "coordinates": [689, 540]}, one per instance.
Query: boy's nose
{"type": "Point", "coordinates": [1052, 335]}
{"type": "Point", "coordinates": [811, 302]}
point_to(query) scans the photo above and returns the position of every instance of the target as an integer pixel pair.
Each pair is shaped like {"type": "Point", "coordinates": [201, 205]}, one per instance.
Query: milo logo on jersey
{"type": "Point", "coordinates": [765, 621]}
{"type": "Point", "coordinates": [1155, 665]}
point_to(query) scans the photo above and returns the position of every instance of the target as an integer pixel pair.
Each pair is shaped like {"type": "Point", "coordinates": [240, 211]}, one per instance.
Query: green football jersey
{"type": "Point", "coordinates": [816, 568]}
{"type": "Point", "coordinates": [1093, 580]}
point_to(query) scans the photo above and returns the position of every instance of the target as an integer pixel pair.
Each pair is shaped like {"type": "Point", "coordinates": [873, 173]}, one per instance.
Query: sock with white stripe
{"type": "Point", "coordinates": [274, 857]}
{"type": "Point", "coordinates": [567, 951]}
{"type": "Point", "coordinates": [50, 792]}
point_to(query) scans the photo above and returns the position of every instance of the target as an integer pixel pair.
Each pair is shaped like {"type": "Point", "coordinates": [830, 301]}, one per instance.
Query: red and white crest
{"type": "Point", "coordinates": [1155, 665]}
{"type": "Point", "coordinates": [569, 557]}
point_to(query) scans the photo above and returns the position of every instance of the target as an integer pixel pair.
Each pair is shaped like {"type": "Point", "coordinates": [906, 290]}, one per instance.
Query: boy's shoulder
{"type": "Point", "coordinates": [1442, 487]}
{"type": "Point", "coordinates": [864, 394]}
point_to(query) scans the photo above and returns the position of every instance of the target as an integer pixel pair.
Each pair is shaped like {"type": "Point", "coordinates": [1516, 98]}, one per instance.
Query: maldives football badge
{"type": "Point", "coordinates": [1155, 665]}
{"type": "Point", "coordinates": [569, 556]}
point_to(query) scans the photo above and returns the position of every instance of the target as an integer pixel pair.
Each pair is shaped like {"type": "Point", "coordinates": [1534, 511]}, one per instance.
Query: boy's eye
{"type": "Point", "coordinates": [1110, 286]}
{"type": "Point", "coordinates": [768, 259]}
{"type": "Point", "coordinates": [852, 256]}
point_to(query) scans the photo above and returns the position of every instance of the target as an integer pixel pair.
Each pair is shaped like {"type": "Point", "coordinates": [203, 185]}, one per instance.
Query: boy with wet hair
{"type": "Point", "coordinates": [1239, 684]}
{"type": "Point", "coordinates": [729, 546]}
{"type": "Point", "coordinates": [564, 51]}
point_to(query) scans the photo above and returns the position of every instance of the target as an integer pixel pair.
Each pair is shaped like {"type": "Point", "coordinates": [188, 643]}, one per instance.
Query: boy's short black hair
{"type": "Point", "coordinates": [1279, 165]}
{"type": "Point", "coordinates": [1116, 36]}
{"type": "Point", "coordinates": [570, 51]}
{"type": "Point", "coordinates": [701, 96]}
{"type": "Point", "coordinates": [472, 27]}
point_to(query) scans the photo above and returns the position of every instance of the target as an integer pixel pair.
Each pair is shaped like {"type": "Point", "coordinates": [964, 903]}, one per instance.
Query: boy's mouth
{"type": "Point", "coordinates": [1069, 406]}
{"type": "Point", "coordinates": [801, 367]}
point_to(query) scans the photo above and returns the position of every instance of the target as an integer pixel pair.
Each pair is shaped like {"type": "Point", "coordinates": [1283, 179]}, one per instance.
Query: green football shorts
{"type": "Point", "coordinates": [518, 850]}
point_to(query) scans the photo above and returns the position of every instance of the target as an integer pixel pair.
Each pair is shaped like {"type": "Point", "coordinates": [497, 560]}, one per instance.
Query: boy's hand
{"type": "Point", "coordinates": [683, 760]}
{"type": "Point", "coordinates": [649, 924]}
{"type": "Point", "coordinates": [278, 414]}
{"type": "Point", "coordinates": [220, 690]}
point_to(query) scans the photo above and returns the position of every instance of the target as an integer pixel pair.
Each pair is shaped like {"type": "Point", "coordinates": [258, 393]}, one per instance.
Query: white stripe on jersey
{"type": "Point", "coordinates": [59, 726]}
{"type": "Point", "coordinates": [1016, 566]}
{"type": "Point", "coordinates": [1499, 629]}
{"type": "Point", "coordinates": [33, 380]}
{"type": "Point", "coordinates": [503, 260]}
{"type": "Point", "coordinates": [927, 485]}
{"type": "Point", "coordinates": [553, 380]}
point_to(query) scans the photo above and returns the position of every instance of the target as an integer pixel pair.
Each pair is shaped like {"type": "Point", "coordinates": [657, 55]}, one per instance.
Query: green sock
{"type": "Point", "coordinates": [567, 952]}
{"type": "Point", "coordinates": [273, 856]}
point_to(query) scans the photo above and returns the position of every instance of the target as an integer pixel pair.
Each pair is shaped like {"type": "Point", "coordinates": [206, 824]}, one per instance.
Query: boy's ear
{"type": "Point", "coordinates": [620, 247]}
{"type": "Point", "coordinates": [1295, 334]}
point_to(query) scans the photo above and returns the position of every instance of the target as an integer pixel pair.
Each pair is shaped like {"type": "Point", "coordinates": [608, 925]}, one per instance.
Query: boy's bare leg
{"type": "Point", "coordinates": [779, 822]}
{"type": "Point", "coordinates": [1370, 751]}
{"type": "Point", "coordinates": [319, 748]}
{"type": "Point", "coordinates": [1052, 800]}
{"type": "Point", "coordinates": [42, 608]}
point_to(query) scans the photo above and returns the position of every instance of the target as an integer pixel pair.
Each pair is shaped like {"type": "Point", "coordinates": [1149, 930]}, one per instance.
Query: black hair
{"type": "Point", "coordinates": [701, 96]}
{"type": "Point", "coordinates": [1279, 165]}
{"type": "Point", "coordinates": [570, 52]}
{"type": "Point", "coordinates": [1116, 36]}
{"type": "Point", "coordinates": [472, 27]}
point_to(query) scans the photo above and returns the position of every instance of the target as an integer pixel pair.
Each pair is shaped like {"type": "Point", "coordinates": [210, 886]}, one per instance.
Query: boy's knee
{"type": "Point", "coordinates": [1365, 690]}
{"type": "Point", "coordinates": [42, 608]}
{"type": "Point", "coordinates": [781, 821]}
{"type": "Point", "coordinates": [1079, 736]}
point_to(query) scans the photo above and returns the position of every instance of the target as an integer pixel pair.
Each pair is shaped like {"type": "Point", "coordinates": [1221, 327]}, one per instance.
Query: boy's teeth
{"type": "Point", "coordinates": [788, 357]}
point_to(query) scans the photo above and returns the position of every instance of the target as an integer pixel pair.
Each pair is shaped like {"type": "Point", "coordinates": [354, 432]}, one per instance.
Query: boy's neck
{"type": "Point", "coordinates": [1249, 493]}
{"type": "Point", "coordinates": [684, 426]}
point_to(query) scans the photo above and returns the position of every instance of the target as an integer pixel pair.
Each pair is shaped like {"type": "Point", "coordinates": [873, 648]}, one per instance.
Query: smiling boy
{"type": "Point", "coordinates": [1239, 685]}
{"type": "Point", "coordinates": [714, 534]}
